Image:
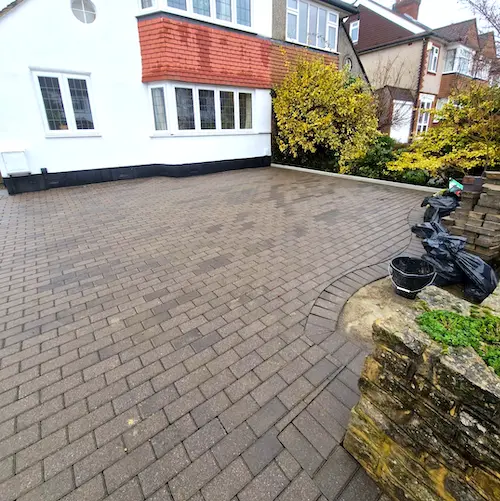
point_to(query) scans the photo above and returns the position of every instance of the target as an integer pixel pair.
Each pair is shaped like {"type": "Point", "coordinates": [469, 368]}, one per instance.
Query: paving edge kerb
{"type": "Point", "coordinates": [426, 189]}
{"type": "Point", "coordinates": [326, 310]}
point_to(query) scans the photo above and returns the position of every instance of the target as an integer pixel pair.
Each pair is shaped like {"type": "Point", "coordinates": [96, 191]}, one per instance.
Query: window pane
{"type": "Point", "coordinates": [292, 27]}
{"type": "Point", "coordinates": [201, 7]}
{"type": "Point", "coordinates": [333, 18]}
{"type": "Point", "coordinates": [159, 110]}
{"type": "Point", "coordinates": [185, 108]}
{"type": "Point", "coordinates": [52, 101]}
{"type": "Point", "coordinates": [146, 4]}
{"type": "Point", "coordinates": [81, 103]}
{"type": "Point", "coordinates": [177, 4]}
{"type": "Point", "coordinates": [450, 60]}
{"type": "Point", "coordinates": [245, 111]}
{"type": "Point", "coordinates": [322, 28]}
{"type": "Point", "coordinates": [313, 25]}
{"type": "Point", "coordinates": [227, 109]}
{"type": "Point", "coordinates": [223, 9]}
{"type": "Point", "coordinates": [243, 12]}
{"type": "Point", "coordinates": [332, 38]}
{"type": "Point", "coordinates": [292, 4]}
{"type": "Point", "coordinates": [207, 109]}
{"type": "Point", "coordinates": [302, 22]}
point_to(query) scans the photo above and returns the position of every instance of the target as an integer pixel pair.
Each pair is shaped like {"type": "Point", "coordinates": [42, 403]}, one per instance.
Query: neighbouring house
{"type": "Point", "coordinates": [413, 68]}
{"type": "Point", "coordinates": [101, 90]}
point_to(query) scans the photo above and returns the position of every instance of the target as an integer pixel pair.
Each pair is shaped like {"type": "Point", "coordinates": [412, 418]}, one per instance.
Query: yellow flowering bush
{"type": "Point", "coordinates": [467, 138]}
{"type": "Point", "coordinates": [320, 109]}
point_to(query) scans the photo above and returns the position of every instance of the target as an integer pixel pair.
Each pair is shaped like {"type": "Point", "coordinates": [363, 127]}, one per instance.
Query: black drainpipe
{"type": "Point", "coordinates": [420, 78]}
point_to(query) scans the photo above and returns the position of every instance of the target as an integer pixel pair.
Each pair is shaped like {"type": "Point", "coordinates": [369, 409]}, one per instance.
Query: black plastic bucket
{"type": "Point", "coordinates": [410, 275]}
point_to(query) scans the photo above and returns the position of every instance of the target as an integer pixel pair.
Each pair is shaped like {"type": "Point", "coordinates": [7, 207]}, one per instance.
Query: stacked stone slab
{"type": "Point", "coordinates": [478, 219]}
{"type": "Point", "coordinates": [427, 427]}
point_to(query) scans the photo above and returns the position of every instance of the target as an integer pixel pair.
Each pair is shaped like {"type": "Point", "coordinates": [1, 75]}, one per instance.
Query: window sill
{"type": "Point", "coordinates": [197, 133]}
{"type": "Point", "coordinates": [329, 51]}
{"type": "Point", "coordinates": [429, 72]}
{"type": "Point", "coordinates": [58, 135]}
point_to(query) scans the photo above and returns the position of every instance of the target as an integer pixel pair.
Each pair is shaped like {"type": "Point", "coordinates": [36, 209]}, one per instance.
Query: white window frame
{"type": "Point", "coordinates": [460, 52]}
{"type": "Point", "coordinates": [161, 5]}
{"type": "Point", "coordinates": [425, 102]}
{"type": "Point", "coordinates": [440, 102]}
{"type": "Point", "coordinates": [354, 25]}
{"type": "Point", "coordinates": [432, 65]}
{"type": "Point", "coordinates": [171, 110]}
{"type": "Point", "coordinates": [63, 77]}
{"type": "Point", "coordinates": [153, 5]}
{"type": "Point", "coordinates": [329, 47]}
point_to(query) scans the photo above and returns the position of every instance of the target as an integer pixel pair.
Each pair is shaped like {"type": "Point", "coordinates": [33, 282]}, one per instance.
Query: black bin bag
{"type": "Point", "coordinates": [480, 278]}
{"type": "Point", "coordinates": [447, 272]}
{"type": "Point", "coordinates": [439, 206]}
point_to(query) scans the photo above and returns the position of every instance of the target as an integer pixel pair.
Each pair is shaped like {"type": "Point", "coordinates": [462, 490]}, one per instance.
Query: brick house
{"type": "Point", "coordinates": [99, 90]}
{"type": "Point", "coordinates": [414, 68]}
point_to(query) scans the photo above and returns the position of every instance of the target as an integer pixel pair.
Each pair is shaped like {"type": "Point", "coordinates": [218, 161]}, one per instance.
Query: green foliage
{"type": "Point", "coordinates": [481, 331]}
{"type": "Point", "coordinates": [321, 111]}
{"type": "Point", "coordinates": [374, 164]}
{"type": "Point", "coordinates": [467, 138]}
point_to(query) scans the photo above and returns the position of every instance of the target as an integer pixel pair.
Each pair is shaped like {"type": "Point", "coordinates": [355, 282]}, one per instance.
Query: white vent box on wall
{"type": "Point", "coordinates": [14, 163]}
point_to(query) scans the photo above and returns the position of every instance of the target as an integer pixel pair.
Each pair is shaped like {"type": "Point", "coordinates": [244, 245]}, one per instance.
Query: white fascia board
{"type": "Point", "coordinates": [382, 11]}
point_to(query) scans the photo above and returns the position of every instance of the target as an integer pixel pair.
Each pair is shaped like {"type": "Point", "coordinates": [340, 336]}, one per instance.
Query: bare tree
{"type": "Point", "coordinates": [391, 72]}
{"type": "Point", "coordinates": [489, 10]}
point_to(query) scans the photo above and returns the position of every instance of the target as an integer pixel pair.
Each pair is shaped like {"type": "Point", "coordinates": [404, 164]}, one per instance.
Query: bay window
{"type": "Point", "coordinates": [198, 109]}
{"type": "Point", "coordinates": [235, 12]}
{"type": "Point", "coordinates": [459, 60]}
{"type": "Point", "coordinates": [311, 24]}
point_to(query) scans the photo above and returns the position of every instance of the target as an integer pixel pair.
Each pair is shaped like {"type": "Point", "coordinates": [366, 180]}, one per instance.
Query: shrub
{"type": "Point", "coordinates": [467, 138]}
{"type": "Point", "coordinates": [481, 331]}
{"type": "Point", "coordinates": [324, 113]}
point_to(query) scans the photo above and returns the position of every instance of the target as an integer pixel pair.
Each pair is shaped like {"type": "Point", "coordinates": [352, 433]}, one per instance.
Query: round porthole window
{"type": "Point", "coordinates": [84, 10]}
{"type": "Point", "coordinates": [348, 63]}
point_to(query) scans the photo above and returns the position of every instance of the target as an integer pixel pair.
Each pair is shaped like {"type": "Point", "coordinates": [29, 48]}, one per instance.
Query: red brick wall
{"type": "Point", "coordinates": [174, 49]}
{"type": "Point", "coordinates": [179, 50]}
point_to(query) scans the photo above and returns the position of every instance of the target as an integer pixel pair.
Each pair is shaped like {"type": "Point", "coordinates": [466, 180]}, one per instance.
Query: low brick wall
{"type": "Point", "coordinates": [427, 426]}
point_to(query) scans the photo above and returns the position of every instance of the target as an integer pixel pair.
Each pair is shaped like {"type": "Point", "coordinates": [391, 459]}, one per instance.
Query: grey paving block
{"type": "Point", "coordinates": [157, 401]}
{"type": "Point", "coordinates": [183, 405]}
{"type": "Point", "coordinates": [228, 483]}
{"type": "Point", "coordinates": [334, 407]}
{"type": "Point", "coordinates": [315, 434]}
{"type": "Point", "coordinates": [242, 386]}
{"type": "Point", "coordinates": [305, 454]}
{"type": "Point", "coordinates": [268, 389]}
{"type": "Point", "coordinates": [296, 392]}
{"type": "Point", "coordinates": [343, 393]}
{"type": "Point", "coordinates": [164, 469]}
{"type": "Point", "coordinates": [210, 409]}
{"type": "Point", "coordinates": [232, 445]}
{"type": "Point", "coordinates": [238, 412]}
{"type": "Point", "coordinates": [145, 430]}
{"type": "Point", "coordinates": [267, 416]}
{"type": "Point", "coordinates": [53, 489]}
{"type": "Point", "coordinates": [263, 451]}
{"type": "Point", "coordinates": [335, 473]}
{"type": "Point", "coordinates": [294, 369]}
{"type": "Point", "coordinates": [288, 464]}
{"type": "Point", "coordinates": [302, 488]}
{"type": "Point", "coordinates": [329, 423]}
{"type": "Point", "coordinates": [217, 383]}
{"type": "Point", "coordinates": [194, 477]}
{"type": "Point", "coordinates": [173, 435]}
{"type": "Point", "coordinates": [350, 379]}
{"type": "Point", "coordinates": [202, 440]}
{"type": "Point", "coordinates": [361, 486]}
{"type": "Point", "coordinates": [94, 489]}
{"type": "Point", "coordinates": [131, 491]}
{"type": "Point", "coordinates": [125, 469]}
{"type": "Point", "coordinates": [266, 486]}
{"type": "Point", "coordinates": [320, 371]}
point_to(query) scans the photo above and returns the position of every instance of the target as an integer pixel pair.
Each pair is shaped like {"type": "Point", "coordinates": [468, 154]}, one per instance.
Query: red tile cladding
{"type": "Point", "coordinates": [173, 49]}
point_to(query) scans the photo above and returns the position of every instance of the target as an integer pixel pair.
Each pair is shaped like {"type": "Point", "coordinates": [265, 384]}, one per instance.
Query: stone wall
{"type": "Point", "coordinates": [478, 219]}
{"type": "Point", "coordinates": [427, 426]}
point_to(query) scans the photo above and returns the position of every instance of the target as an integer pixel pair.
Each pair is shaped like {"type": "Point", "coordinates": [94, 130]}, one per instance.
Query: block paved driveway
{"type": "Point", "coordinates": [152, 340]}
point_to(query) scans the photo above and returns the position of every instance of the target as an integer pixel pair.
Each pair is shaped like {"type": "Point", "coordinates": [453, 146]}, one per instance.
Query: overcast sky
{"type": "Point", "coordinates": [433, 13]}
{"type": "Point", "coordinates": [437, 13]}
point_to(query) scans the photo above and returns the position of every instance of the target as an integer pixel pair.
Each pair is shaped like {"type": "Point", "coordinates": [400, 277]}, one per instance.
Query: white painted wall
{"type": "Point", "coordinates": [45, 35]}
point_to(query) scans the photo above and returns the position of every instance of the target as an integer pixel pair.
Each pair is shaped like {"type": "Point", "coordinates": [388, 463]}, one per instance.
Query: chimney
{"type": "Point", "coordinates": [409, 7]}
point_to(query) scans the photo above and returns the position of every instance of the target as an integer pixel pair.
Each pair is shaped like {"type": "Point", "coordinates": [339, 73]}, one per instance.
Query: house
{"type": "Point", "coordinates": [414, 68]}
{"type": "Point", "coordinates": [99, 90]}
